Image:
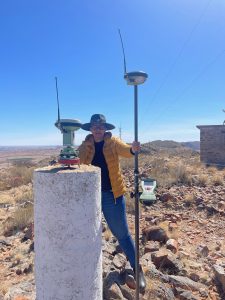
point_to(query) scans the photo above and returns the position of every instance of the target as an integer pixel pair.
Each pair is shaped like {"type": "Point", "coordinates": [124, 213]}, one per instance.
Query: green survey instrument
{"type": "Point", "coordinates": [68, 155]}
{"type": "Point", "coordinates": [148, 186]}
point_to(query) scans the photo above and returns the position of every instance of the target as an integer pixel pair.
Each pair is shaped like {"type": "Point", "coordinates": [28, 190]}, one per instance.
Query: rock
{"type": "Point", "coordinates": [153, 273]}
{"type": "Point", "coordinates": [3, 242]}
{"type": "Point", "coordinates": [165, 197]}
{"type": "Point", "coordinates": [31, 248]}
{"type": "Point", "coordinates": [151, 246]}
{"type": "Point", "coordinates": [113, 292]}
{"type": "Point", "coordinates": [166, 260]}
{"type": "Point", "coordinates": [183, 254]}
{"type": "Point", "coordinates": [203, 250]}
{"type": "Point", "coordinates": [172, 245]}
{"type": "Point", "coordinates": [155, 233]}
{"type": "Point", "coordinates": [220, 275]}
{"type": "Point", "coordinates": [107, 247]}
{"type": "Point", "coordinates": [194, 277]}
{"type": "Point", "coordinates": [130, 281]}
{"type": "Point", "coordinates": [111, 278]}
{"type": "Point", "coordinates": [221, 205]}
{"type": "Point", "coordinates": [204, 293]}
{"type": "Point", "coordinates": [172, 226]}
{"type": "Point", "coordinates": [29, 233]}
{"type": "Point", "coordinates": [18, 271]}
{"type": "Point", "coordinates": [127, 292]}
{"type": "Point", "coordinates": [185, 295]}
{"type": "Point", "coordinates": [119, 261]}
{"type": "Point", "coordinates": [186, 283]}
{"type": "Point", "coordinates": [27, 268]}
{"type": "Point", "coordinates": [159, 291]}
{"type": "Point", "coordinates": [25, 289]}
{"type": "Point", "coordinates": [199, 200]}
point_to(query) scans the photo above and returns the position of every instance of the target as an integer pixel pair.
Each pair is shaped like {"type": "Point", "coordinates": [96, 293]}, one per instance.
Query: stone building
{"type": "Point", "coordinates": [212, 144]}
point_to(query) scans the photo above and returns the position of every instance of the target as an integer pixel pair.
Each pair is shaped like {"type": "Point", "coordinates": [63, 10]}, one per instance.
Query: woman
{"type": "Point", "coordinates": [101, 149]}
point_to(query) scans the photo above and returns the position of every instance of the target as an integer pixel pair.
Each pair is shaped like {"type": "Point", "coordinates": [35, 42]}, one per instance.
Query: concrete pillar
{"type": "Point", "coordinates": [68, 234]}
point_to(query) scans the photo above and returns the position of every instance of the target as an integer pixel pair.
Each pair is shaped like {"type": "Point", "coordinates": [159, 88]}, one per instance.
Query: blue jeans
{"type": "Point", "coordinates": [115, 216]}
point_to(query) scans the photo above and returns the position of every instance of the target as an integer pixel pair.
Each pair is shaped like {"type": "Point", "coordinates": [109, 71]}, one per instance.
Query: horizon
{"type": "Point", "coordinates": [47, 146]}
{"type": "Point", "coordinates": [180, 44]}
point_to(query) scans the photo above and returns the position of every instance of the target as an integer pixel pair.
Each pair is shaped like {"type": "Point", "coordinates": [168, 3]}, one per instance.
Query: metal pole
{"type": "Point", "coordinates": [136, 173]}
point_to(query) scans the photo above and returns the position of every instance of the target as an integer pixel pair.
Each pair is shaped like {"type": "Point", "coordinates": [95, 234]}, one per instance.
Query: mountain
{"type": "Point", "coordinates": [170, 146]}
{"type": "Point", "coordinates": [195, 145]}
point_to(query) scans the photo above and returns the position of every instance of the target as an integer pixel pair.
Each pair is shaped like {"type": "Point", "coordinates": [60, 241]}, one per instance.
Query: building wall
{"type": "Point", "coordinates": [212, 144]}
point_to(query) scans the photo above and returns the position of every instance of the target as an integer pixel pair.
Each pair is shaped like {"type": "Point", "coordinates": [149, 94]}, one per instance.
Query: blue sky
{"type": "Point", "coordinates": [179, 43]}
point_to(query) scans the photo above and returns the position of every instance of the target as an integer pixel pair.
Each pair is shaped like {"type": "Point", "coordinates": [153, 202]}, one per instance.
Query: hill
{"type": "Point", "coordinates": [169, 146]}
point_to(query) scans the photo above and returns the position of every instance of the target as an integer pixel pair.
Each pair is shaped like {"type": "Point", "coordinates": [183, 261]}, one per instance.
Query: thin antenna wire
{"type": "Point", "coordinates": [124, 58]}
{"type": "Point", "coordinates": [177, 99]}
{"type": "Point", "coordinates": [174, 63]}
{"type": "Point", "coordinates": [57, 94]}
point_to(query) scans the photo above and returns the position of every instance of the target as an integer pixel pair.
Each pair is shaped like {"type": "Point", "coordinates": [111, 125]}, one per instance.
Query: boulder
{"type": "Point", "coordinates": [155, 233]}
{"type": "Point", "coordinates": [220, 275]}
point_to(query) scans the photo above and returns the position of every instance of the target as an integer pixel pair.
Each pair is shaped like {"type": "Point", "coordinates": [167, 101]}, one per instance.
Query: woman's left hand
{"type": "Point", "coordinates": [136, 147]}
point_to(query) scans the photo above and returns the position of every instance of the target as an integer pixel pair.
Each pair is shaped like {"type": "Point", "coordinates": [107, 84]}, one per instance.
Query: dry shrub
{"type": "Point", "coordinates": [107, 234]}
{"type": "Point", "coordinates": [165, 226]}
{"type": "Point", "coordinates": [20, 175]}
{"type": "Point", "coordinates": [212, 170]}
{"type": "Point", "coordinates": [177, 174]}
{"type": "Point", "coordinates": [202, 180]}
{"type": "Point", "coordinates": [160, 171]}
{"type": "Point", "coordinates": [16, 176]}
{"type": "Point", "coordinates": [182, 174]}
{"type": "Point", "coordinates": [217, 180]}
{"type": "Point", "coordinates": [190, 199]}
{"type": "Point", "coordinates": [25, 197]}
{"type": "Point", "coordinates": [4, 287]}
{"type": "Point", "coordinates": [174, 234]}
{"type": "Point", "coordinates": [4, 185]}
{"type": "Point", "coordinates": [195, 163]}
{"type": "Point", "coordinates": [130, 204]}
{"type": "Point", "coordinates": [21, 218]}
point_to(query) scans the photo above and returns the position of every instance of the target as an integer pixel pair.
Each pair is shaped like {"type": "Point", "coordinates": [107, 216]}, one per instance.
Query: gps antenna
{"type": "Point", "coordinates": [57, 95]}
{"type": "Point", "coordinates": [68, 155]}
{"type": "Point", "coordinates": [124, 58]}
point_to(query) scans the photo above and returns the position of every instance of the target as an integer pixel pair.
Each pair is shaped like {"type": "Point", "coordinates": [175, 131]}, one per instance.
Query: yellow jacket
{"type": "Point", "coordinates": [112, 149]}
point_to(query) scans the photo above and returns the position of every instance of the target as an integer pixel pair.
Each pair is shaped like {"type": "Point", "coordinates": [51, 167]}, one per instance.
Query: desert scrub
{"type": "Point", "coordinates": [20, 219]}
{"type": "Point", "coordinates": [182, 174]}
{"type": "Point", "coordinates": [189, 199]}
{"type": "Point", "coordinates": [25, 197]}
{"type": "Point", "coordinates": [202, 180]}
{"type": "Point", "coordinates": [212, 170]}
{"type": "Point", "coordinates": [20, 175]}
{"type": "Point", "coordinates": [176, 173]}
{"type": "Point", "coordinates": [217, 180]}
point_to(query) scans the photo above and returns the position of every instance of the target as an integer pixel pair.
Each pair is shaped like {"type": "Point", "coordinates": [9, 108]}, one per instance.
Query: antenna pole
{"type": "Point", "coordinates": [136, 186]}
{"type": "Point", "coordinates": [124, 58]}
{"type": "Point", "coordinates": [57, 94]}
{"type": "Point", "coordinates": [120, 131]}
